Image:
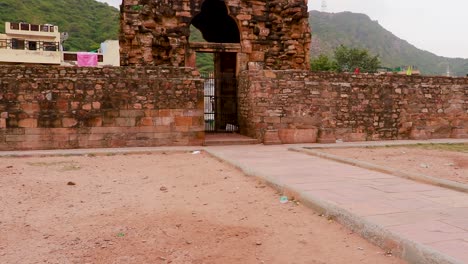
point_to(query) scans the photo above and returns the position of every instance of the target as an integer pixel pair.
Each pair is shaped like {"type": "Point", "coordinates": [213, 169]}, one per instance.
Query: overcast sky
{"type": "Point", "coordinates": [440, 27]}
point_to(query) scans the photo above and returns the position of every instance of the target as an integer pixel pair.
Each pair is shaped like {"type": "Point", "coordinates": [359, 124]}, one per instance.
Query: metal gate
{"type": "Point", "coordinates": [220, 103]}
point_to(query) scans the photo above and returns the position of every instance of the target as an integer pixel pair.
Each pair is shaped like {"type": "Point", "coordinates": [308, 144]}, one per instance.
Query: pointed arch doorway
{"type": "Point", "coordinates": [223, 40]}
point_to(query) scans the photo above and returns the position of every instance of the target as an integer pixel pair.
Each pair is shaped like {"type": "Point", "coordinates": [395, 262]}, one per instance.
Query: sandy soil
{"type": "Point", "coordinates": [442, 164]}
{"type": "Point", "coordinates": [159, 208]}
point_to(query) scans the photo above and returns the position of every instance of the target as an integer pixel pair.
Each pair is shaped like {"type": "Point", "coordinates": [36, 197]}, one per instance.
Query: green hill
{"type": "Point", "coordinates": [359, 31]}
{"type": "Point", "coordinates": [88, 22]}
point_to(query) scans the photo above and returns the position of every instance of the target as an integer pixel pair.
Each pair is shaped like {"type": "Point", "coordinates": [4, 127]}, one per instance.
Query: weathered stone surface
{"type": "Point", "coordinates": [274, 33]}
{"type": "Point", "coordinates": [352, 107]}
{"type": "Point", "coordinates": [68, 107]}
{"type": "Point", "coordinates": [295, 136]}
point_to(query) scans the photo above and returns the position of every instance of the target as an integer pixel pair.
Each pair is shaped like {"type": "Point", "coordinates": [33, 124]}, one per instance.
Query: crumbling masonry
{"type": "Point", "coordinates": [157, 98]}
{"type": "Point", "coordinates": [274, 34]}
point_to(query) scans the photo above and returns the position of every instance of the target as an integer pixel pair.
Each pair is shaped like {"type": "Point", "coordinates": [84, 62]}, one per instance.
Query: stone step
{"type": "Point", "coordinates": [226, 139]}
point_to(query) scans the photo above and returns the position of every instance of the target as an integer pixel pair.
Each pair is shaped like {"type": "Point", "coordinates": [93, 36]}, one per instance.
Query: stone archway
{"type": "Point", "coordinates": [215, 23]}
{"type": "Point", "coordinates": [265, 34]}
{"type": "Point", "coordinates": [220, 31]}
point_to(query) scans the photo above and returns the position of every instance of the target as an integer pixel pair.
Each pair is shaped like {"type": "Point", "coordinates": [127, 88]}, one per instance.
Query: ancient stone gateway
{"type": "Point", "coordinates": [157, 98]}
{"type": "Point", "coordinates": [242, 35]}
{"type": "Point", "coordinates": [262, 34]}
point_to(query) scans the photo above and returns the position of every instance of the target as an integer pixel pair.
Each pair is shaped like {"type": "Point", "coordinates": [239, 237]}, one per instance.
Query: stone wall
{"type": "Point", "coordinates": [274, 34]}
{"type": "Point", "coordinates": [301, 106]}
{"type": "Point", "coordinates": [65, 107]}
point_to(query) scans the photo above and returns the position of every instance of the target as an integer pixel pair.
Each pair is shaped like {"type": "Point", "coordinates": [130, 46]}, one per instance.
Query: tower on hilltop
{"type": "Point", "coordinates": [324, 6]}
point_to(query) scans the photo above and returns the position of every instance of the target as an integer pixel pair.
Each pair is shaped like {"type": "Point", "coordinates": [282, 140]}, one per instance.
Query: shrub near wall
{"type": "Point", "coordinates": [290, 106]}
{"type": "Point", "coordinates": [65, 107]}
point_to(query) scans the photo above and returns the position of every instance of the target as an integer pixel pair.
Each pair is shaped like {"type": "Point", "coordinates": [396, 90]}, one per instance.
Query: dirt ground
{"type": "Point", "coordinates": [159, 208]}
{"type": "Point", "coordinates": [435, 162]}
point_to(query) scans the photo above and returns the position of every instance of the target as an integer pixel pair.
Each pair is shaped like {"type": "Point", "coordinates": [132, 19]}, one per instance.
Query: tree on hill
{"type": "Point", "coordinates": [323, 63]}
{"type": "Point", "coordinates": [346, 59]}
{"type": "Point", "coordinates": [349, 59]}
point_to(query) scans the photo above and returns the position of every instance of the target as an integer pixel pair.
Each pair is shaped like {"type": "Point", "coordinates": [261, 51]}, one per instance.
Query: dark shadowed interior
{"type": "Point", "coordinates": [215, 24]}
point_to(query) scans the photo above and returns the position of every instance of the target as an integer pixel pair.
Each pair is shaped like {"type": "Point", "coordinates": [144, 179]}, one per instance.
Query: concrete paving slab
{"type": "Point", "coordinates": [456, 248]}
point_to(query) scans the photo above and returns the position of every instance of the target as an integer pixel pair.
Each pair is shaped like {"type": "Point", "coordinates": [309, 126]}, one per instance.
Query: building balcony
{"type": "Point", "coordinates": [33, 45]}
{"type": "Point", "coordinates": [26, 29]}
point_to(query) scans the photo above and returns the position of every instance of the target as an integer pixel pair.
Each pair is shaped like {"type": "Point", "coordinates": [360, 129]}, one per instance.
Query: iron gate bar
{"type": "Point", "coordinates": [220, 111]}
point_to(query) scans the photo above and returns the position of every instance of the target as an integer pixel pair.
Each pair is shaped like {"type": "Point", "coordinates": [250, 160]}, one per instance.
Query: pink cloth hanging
{"type": "Point", "coordinates": [87, 59]}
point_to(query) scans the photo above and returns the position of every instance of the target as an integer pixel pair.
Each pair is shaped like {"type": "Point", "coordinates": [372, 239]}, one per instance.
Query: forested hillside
{"type": "Point", "coordinates": [359, 31]}
{"type": "Point", "coordinates": [87, 21]}
{"type": "Point", "coordinates": [90, 22]}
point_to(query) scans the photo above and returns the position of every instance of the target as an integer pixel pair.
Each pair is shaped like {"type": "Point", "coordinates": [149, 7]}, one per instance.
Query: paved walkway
{"type": "Point", "coordinates": [425, 223]}
{"type": "Point", "coordinates": [429, 222]}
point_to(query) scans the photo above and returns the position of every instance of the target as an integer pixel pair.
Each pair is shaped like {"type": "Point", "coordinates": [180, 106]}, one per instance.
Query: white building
{"type": "Point", "coordinates": [25, 43]}
{"type": "Point", "coordinates": [30, 43]}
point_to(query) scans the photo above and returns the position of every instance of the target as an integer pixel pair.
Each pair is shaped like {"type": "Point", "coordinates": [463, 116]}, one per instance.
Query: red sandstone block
{"type": "Point", "coordinates": [137, 143]}
{"type": "Point", "coordinates": [326, 136]}
{"type": "Point", "coordinates": [125, 122]}
{"type": "Point", "coordinates": [296, 136]}
{"type": "Point", "coordinates": [418, 134]}
{"type": "Point", "coordinates": [60, 137]}
{"type": "Point", "coordinates": [146, 129]}
{"type": "Point", "coordinates": [96, 105]}
{"type": "Point", "coordinates": [75, 105]}
{"type": "Point", "coordinates": [272, 119]}
{"type": "Point", "coordinates": [162, 135]}
{"type": "Point", "coordinates": [244, 17]}
{"type": "Point", "coordinates": [132, 113]}
{"type": "Point", "coordinates": [15, 138]}
{"type": "Point", "coordinates": [355, 137]}
{"type": "Point", "coordinates": [182, 129]}
{"type": "Point", "coordinates": [69, 122]}
{"type": "Point", "coordinates": [193, 112]}
{"type": "Point", "coordinates": [86, 107]}
{"type": "Point", "coordinates": [165, 113]}
{"type": "Point", "coordinates": [271, 137]}
{"type": "Point", "coordinates": [161, 142]}
{"type": "Point", "coordinates": [94, 122]}
{"type": "Point", "coordinates": [196, 128]}
{"type": "Point", "coordinates": [60, 131]}
{"type": "Point", "coordinates": [4, 115]}
{"type": "Point", "coordinates": [151, 113]}
{"type": "Point", "coordinates": [145, 121]}
{"type": "Point", "coordinates": [30, 107]}
{"type": "Point", "coordinates": [96, 137]}
{"type": "Point", "coordinates": [33, 145]}
{"type": "Point", "coordinates": [163, 121]}
{"type": "Point", "coordinates": [73, 137]}
{"type": "Point", "coordinates": [28, 123]}
{"type": "Point", "coordinates": [62, 105]}
{"type": "Point", "coordinates": [97, 130]}
{"type": "Point", "coordinates": [36, 131]}
{"type": "Point", "coordinates": [2, 123]}
{"type": "Point", "coordinates": [257, 56]}
{"type": "Point", "coordinates": [459, 133]}
{"type": "Point", "coordinates": [95, 144]}
{"type": "Point", "coordinates": [200, 135]}
{"type": "Point", "coordinates": [177, 112]}
{"type": "Point", "coordinates": [183, 121]}
{"type": "Point", "coordinates": [111, 113]}
{"type": "Point", "coordinates": [198, 121]}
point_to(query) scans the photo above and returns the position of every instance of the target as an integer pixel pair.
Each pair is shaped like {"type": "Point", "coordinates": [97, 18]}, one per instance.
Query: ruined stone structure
{"type": "Point", "coordinates": [62, 107]}
{"type": "Point", "coordinates": [261, 66]}
{"type": "Point", "coordinates": [302, 106]}
{"type": "Point", "coordinates": [68, 107]}
{"type": "Point", "coordinates": [270, 34]}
